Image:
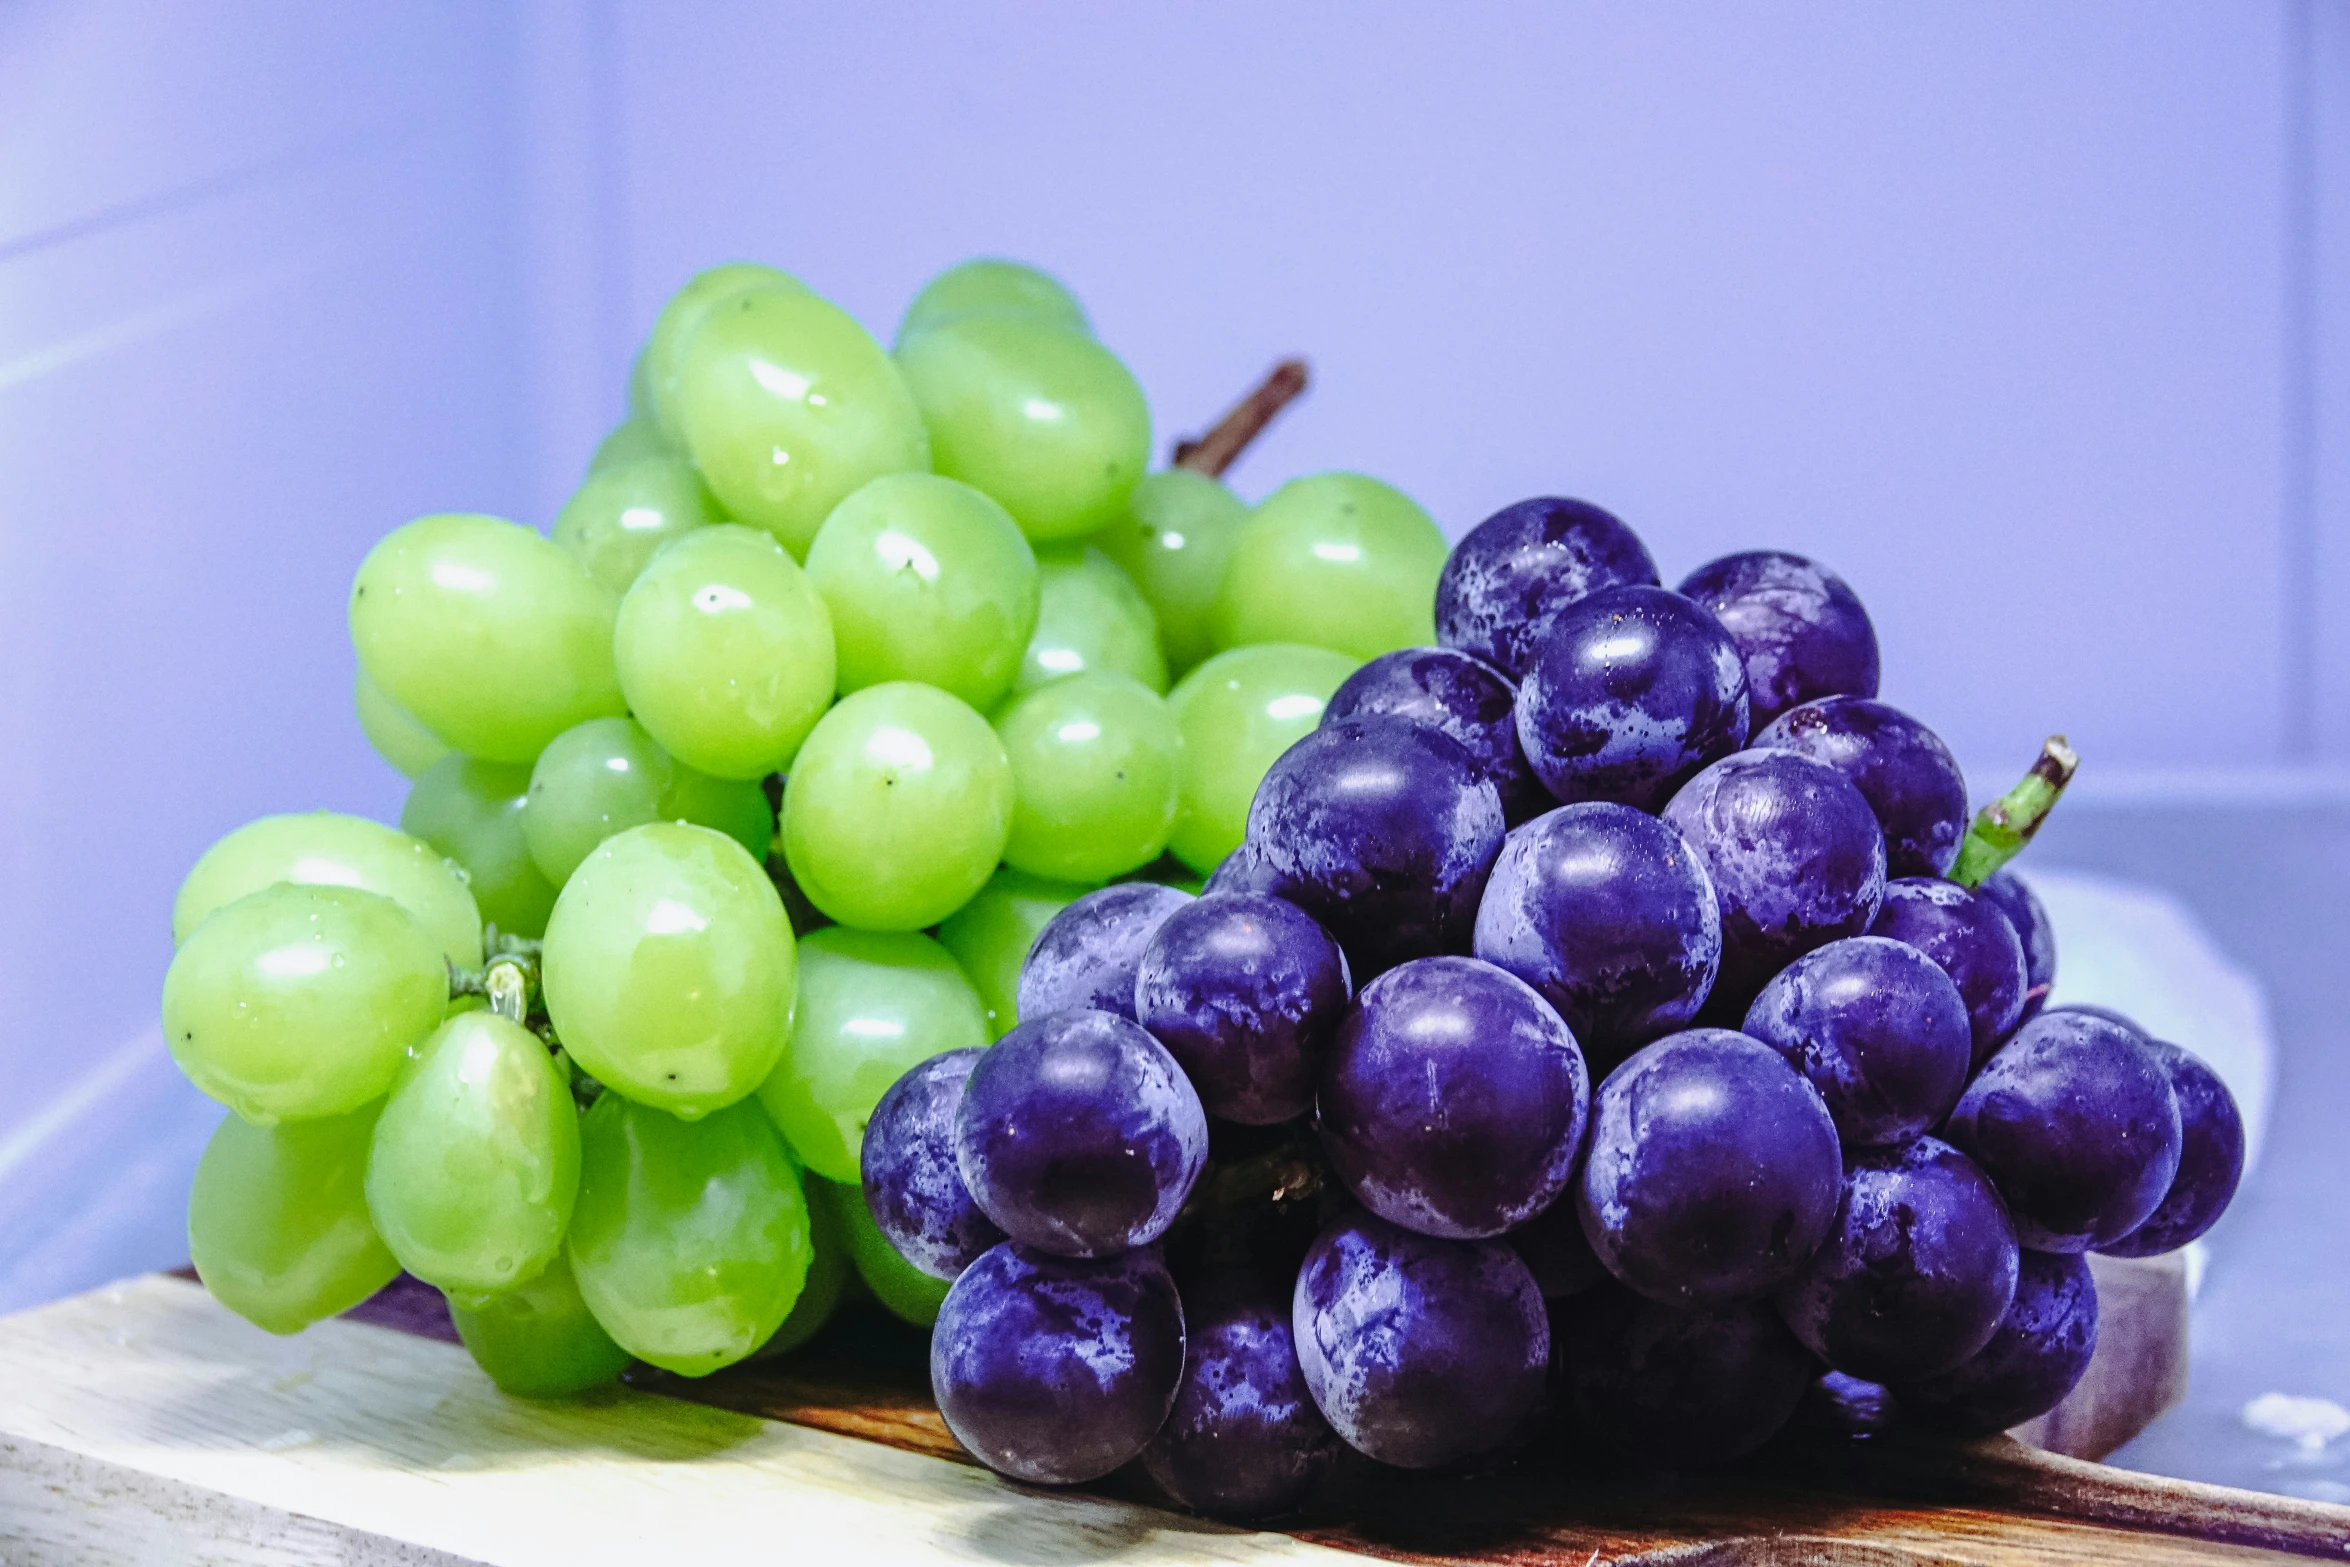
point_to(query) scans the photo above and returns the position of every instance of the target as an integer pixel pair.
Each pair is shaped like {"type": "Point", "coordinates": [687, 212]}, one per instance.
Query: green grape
{"type": "Point", "coordinates": [989, 284]}
{"type": "Point", "coordinates": [736, 808]}
{"type": "Point", "coordinates": [277, 1220]}
{"type": "Point", "coordinates": [872, 1005]}
{"type": "Point", "coordinates": [492, 636]}
{"type": "Point", "coordinates": [1174, 541]}
{"type": "Point", "coordinates": [928, 580]}
{"type": "Point", "coordinates": [906, 1290]}
{"type": "Point", "coordinates": [1094, 761]}
{"type": "Point", "coordinates": [690, 1241]}
{"type": "Point", "coordinates": [623, 513]}
{"type": "Point", "coordinates": [472, 812]}
{"type": "Point", "coordinates": [640, 387]}
{"type": "Point", "coordinates": [725, 651]}
{"type": "Point", "coordinates": [1238, 712]}
{"type": "Point", "coordinates": [786, 406]}
{"type": "Point", "coordinates": [1090, 615]}
{"type": "Point", "coordinates": [990, 937]}
{"type": "Point", "coordinates": [631, 440]}
{"type": "Point", "coordinates": [396, 735]}
{"type": "Point", "coordinates": [326, 849]}
{"type": "Point", "coordinates": [1333, 560]}
{"type": "Point", "coordinates": [664, 350]}
{"type": "Point", "coordinates": [1038, 415]}
{"type": "Point", "coordinates": [897, 809]}
{"type": "Point", "coordinates": [538, 1339]}
{"type": "Point", "coordinates": [608, 775]}
{"type": "Point", "coordinates": [476, 1159]}
{"type": "Point", "coordinates": [829, 1272]}
{"type": "Point", "coordinates": [669, 968]}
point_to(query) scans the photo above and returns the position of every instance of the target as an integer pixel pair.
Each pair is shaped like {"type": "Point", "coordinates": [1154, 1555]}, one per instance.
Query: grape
{"type": "Point", "coordinates": [1090, 616]}
{"type": "Point", "coordinates": [988, 284]}
{"type": "Point", "coordinates": [690, 1240]}
{"type": "Point", "coordinates": [904, 1290]}
{"type": "Point", "coordinates": [1900, 767]}
{"type": "Point", "coordinates": [830, 1268]}
{"type": "Point", "coordinates": [607, 775]}
{"type": "Point", "coordinates": [475, 1162]}
{"type": "Point", "coordinates": [1967, 935]}
{"type": "Point", "coordinates": [1174, 542]}
{"type": "Point", "coordinates": [658, 365]}
{"type": "Point", "coordinates": [787, 407]}
{"type": "Point", "coordinates": [296, 1001]}
{"type": "Point", "coordinates": [1094, 760]}
{"type": "Point", "coordinates": [872, 1005]}
{"type": "Point", "coordinates": [1333, 560]}
{"type": "Point", "coordinates": [1079, 1135]}
{"type": "Point", "coordinates": [1522, 564]}
{"type": "Point", "coordinates": [898, 808]}
{"type": "Point", "coordinates": [670, 969]}
{"type": "Point", "coordinates": [324, 849]}
{"type": "Point", "coordinates": [472, 813]}
{"type": "Point", "coordinates": [624, 512]}
{"type": "Point", "coordinates": [1245, 992]}
{"type": "Point", "coordinates": [2211, 1158]}
{"type": "Point", "coordinates": [1088, 954]}
{"type": "Point", "coordinates": [1454, 1100]}
{"type": "Point", "coordinates": [1035, 413]}
{"type": "Point", "coordinates": [725, 651]}
{"type": "Point", "coordinates": [1713, 1170]}
{"type": "Point", "coordinates": [394, 732]}
{"type": "Point", "coordinates": [928, 580]}
{"type": "Point", "coordinates": [990, 937]}
{"type": "Point", "coordinates": [1384, 832]}
{"type": "Point", "coordinates": [1422, 1353]}
{"type": "Point", "coordinates": [1916, 1270]}
{"type": "Point", "coordinates": [1556, 1251]}
{"type": "Point", "coordinates": [2015, 899]}
{"type": "Point", "coordinates": [1055, 1370]}
{"type": "Point", "coordinates": [538, 1339]}
{"type": "Point", "coordinates": [1879, 1030]}
{"type": "Point", "coordinates": [277, 1220]}
{"type": "Point", "coordinates": [1801, 631]}
{"type": "Point", "coordinates": [913, 1189]}
{"type": "Point", "coordinates": [1466, 699]}
{"type": "Point", "coordinates": [630, 440]}
{"type": "Point", "coordinates": [1244, 1439]}
{"type": "Point", "coordinates": [2077, 1124]}
{"type": "Point", "coordinates": [1238, 712]}
{"type": "Point", "coordinates": [495, 639]}
{"type": "Point", "coordinates": [2038, 1352]}
{"type": "Point", "coordinates": [1689, 1386]}
{"type": "Point", "coordinates": [1606, 912]}
{"type": "Point", "coordinates": [1628, 692]}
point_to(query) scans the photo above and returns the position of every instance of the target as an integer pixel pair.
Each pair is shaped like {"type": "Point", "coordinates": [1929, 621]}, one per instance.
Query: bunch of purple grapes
{"type": "Point", "coordinates": [1589, 1029]}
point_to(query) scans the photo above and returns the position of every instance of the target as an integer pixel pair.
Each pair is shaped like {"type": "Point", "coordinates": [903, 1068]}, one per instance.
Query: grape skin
{"type": "Point", "coordinates": [989, 283]}
{"type": "Point", "coordinates": [1335, 560]}
{"type": "Point", "coordinates": [1239, 712]}
{"type": "Point", "coordinates": [328, 849]}
{"type": "Point", "coordinates": [1965, 933]}
{"type": "Point", "coordinates": [1090, 616]}
{"type": "Point", "coordinates": [912, 1186]}
{"type": "Point", "coordinates": [1900, 767]}
{"type": "Point", "coordinates": [1880, 1031]}
{"type": "Point", "coordinates": [277, 1220]}
{"type": "Point", "coordinates": [538, 1339]}
{"type": "Point", "coordinates": [653, 381]}
{"type": "Point", "coordinates": [1094, 760]}
{"type": "Point", "coordinates": [2016, 900]}
{"type": "Point", "coordinates": [1800, 629]}
{"type": "Point", "coordinates": [905, 1291]}
{"type": "Point", "coordinates": [1174, 543]}
{"type": "Point", "coordinates": [1523, 564]}
{"type": "Point", "coordinates": [472, 812]}
{"type": "Point", "coordinates": [1244, 1439]}
{"type": "Point", "coordinates": [394, 732]}
{"type": "Point", "coordinates": [2211, 1158]}
{"type": "Point", "coordinates": [1089, 953]}
{"type": "Point", "coordinates": [2035, 1356]}
{"type": "Point", "coordinates": [990, 936]}
{"type": "Point", "coordinates": [625, 513]}
{"type": "Point", "coordinates": [1471, 701]}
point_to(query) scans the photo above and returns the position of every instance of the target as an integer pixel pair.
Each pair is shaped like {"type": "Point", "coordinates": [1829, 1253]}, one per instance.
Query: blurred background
{"type": "Point", "coordinates": [2033, 321]}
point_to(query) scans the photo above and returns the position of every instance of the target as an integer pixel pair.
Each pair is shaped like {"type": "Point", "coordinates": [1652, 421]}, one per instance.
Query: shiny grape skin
{"type": "Point", "coordinates": [1713, 1170]}
{"type": "Point", "coordinates": [2076, 1122]}
{"type": "Point", "coordinates": [2211, 1158]}
{"type": "Point", "coordinates": [1916, 1271]}
{"type": "Point", "coordinates": [1244, 1439]}
{"type": "Point", "coordinates": [1466, 698]}
{"type": "Point", "coordinates": [1965, 933]}
{"type": "Point", "coordinates": [1422, 1353]}
{"type": "Point", "coordinates": [1689, 1386]}
{"type": "Point", "coordinates": [1245, 991]}
{"type": "Point", "coordinates": [1454, 1100]}
{"type": "Point", "coordinates": [2016, 899]}
{"type": "Point", "coordinates": [1800, 629]}
{"type": "Point", "coordinates": [912, 1184]}
{"type": "Point", "coordinates": [1087, 955]}
{"type": "Point", "coordinates": [1880, 1031]}
{"type": "Point", "coordinates": [1627, 693]}
{"type": "Point", "coordinates": [1901, 768]}
{"type": "Point", "coordinates": [1607, 912]}
{"type": "Point", "coordinates": [1079, 1135]}
{"type": "Point", "coordinates": [1382, 831]}
{"type": "Point", "coordinates": [2038, 1352]}
{"type": "Point", "coordinates": [1056, 1370]}
{"type": "Point", "coordinates": [1526, 561]}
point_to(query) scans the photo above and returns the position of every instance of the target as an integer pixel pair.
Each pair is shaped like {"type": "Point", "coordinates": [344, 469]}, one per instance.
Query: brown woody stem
{"type": "Point", "coordinates": [1221, 447]}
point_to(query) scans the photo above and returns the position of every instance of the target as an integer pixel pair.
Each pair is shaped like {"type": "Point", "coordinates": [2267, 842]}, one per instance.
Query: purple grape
{"type": "Point", "coordinates": [912, 1185]}
{"type": "Point", "coordinates": [1800, 630]}
{"type": "Point", "coordinates": [1245, 992]}
{"type": "Point", "coordinates": [1518, 566]}
{"type": "Point", "coordinates": [2075, 1121]}
{"type": "Point", "coordinates": [1243, 871]}
{"type": "Point", "coordinates": [1628, 693]}
{"type": "Point", "coordinates": [1555, 1249]}
{"type": "Point", "coordinates": [1840, 1406]}
{"type": "Point", "coordinates": [1900, 767]}
{"type": "Point", "coordinates": [2041, 1347]}
{"type": "Point", "coordinates": [1454, 1099]}
{"type": "Point", "coordinates": [1244, 1439]}
{"type": "Point", "coordinates": [1422, 1353]}
{"type": "Point", "coordinates": [1056, 1370]}
{"type": "Point", "coordinates": [1713, 1169]}
{"type": "Point", "coordinates": [1916, 1270]}
{"type": "Point", "coordinates": [1796, 858]}
{"type": "Point", "coordinates": [2021, 905]}
{"type": "Point", "coordinates": [1606, 912]}
{"type": "Point", "coordinates": [2121, 1020]}
{"type": "Point", "coordinates": [1079, 1135]}
{"type": "Point", "coordinates": [1086, 954]}
{"type": "Point", "coordinates": [2211, 1158]}
{"type": "Point", "coordinates": [1965, 933]}
{"type": "Point", "coordinates": [1464, 697]}
{"type": "Point", "coordinates": [1382, 831]}
{"type": "Point", "coordinates": [1690, 1386]}
{"type": "Point", "coordinates": [1879, 1030]}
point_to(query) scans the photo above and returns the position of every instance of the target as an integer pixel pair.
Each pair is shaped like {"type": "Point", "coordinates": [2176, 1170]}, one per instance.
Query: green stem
{"type": "Point", "coordinates": [2003, 827]}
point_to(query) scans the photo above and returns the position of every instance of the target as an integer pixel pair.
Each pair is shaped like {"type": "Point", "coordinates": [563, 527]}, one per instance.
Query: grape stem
{"type": "Point", "coordinates": [2003, 827]}
{"type": "Point", "coordinates": [1221, 447]}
